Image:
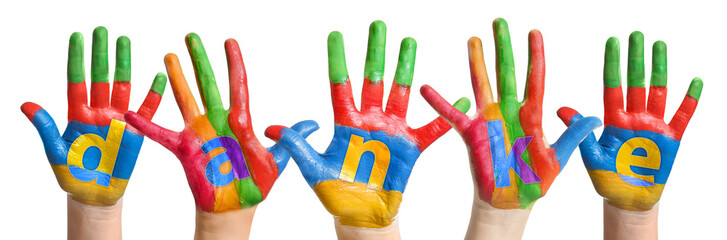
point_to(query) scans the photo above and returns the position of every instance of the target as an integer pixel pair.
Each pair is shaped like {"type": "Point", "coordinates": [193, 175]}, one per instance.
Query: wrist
{"type": "Point", "coordinates": [93, 222]}
{"type": "Point", "coordinates": [488, 222]}
{"type": "Point", "coordinates": [346, 232]}
{"type": "Point", "coordinates": [627, 224]}
{"type": "Point", "coordinates": [234, 224]}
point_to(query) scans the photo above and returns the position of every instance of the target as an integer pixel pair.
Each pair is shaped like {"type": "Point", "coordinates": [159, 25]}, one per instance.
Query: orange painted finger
{"type": "Point", "coordinates": [185, 99]}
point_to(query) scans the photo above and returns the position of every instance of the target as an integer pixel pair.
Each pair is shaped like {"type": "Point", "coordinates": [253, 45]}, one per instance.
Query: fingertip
{"type": "Point", "coordinates": [659, 46]}
{"type": "Point", "coordinates": [695, 88]}
{"type": "Point", "coordinates": [123, 42]}
{"type": "Point", "coordinates": [170, 58]}
{"type": "Point", "coordinates": [231, 43]}
{"type": "Point", "coordinates": [636, 37]}
{"type": "Point", "coordinates": [377, 27]}
{"type": "Point", "coordinates": [191, 37]}
{"type": "Point", "coordinates": [160, 83]}
{"type": "Point", "coordinates": [463, 104]}
{"type": "Point", "coordinates": [535, 34]}
{"type": "Point", "coordinates": [335, 37]}
{"type": "Point", "coordinates": [612, 44]}
{"type": "Point", "coordinates": [100, 31]}
{"type": "Point", "coordinates": [274, 132]}
{"type": "Point", "coordinates": [566, 114]}
{"type": "Point", "coordinates": [29, 109]}
{"type": "Point", "coordinates": [499, 22]}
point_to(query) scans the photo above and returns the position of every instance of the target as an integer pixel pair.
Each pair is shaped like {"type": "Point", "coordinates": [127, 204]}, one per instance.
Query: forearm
{"type": "Point", "coordinates": [359, 233]}
{"type": "Point", "coordinates": [93, 222]}
{"type": "Point", "coordinates": [488, 222]}
{"type": "Point", "coordinates": [228, 225]}
{"type": "Point", "coordinates": [626, 224]}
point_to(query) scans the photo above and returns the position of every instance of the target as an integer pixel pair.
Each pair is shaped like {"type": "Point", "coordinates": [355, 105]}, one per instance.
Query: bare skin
{"type": "Point", "coordinates": [228, 225]}
{"type": "Point", "coordinates": [93, 222]}
{"type": "Point", "coordinates": [625, 224]}
{"type": "Point", "coordinates": [390, 232]}
{"type": "Point", "coordinates": [488, 222]}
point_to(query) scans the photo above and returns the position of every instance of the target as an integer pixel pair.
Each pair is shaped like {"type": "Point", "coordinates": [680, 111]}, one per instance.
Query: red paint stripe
{"type": "Point", "coordinates": [29, 109]}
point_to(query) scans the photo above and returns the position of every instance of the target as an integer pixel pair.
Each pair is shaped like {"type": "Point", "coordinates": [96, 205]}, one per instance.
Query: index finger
{"type": "Point", "coordinates": [506, 86]}
{"type": "Point", "coordinates": [184, 97]}
{"type": "Point", "coordinates": [205, 77]}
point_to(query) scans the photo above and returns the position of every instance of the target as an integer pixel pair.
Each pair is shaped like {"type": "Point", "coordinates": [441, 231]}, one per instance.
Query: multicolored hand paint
{"type": "Point", "coordinates": [512, 164]}
{"type": "Point", "coordinates": [94, 158]}
{"type": "Point", "coordinates": [227, 168]}
{"type": "Point", "coordinates": [631, 162]}
{"type": "Point", "coordinates": [362, 175]}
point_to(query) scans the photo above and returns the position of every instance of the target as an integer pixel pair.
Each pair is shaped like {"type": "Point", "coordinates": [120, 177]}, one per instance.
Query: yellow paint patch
{"type": "Point", "coordinates": [358, 205]}
{"type": "Point", "coordinates": [507, 197]}
{"type": "Point", "coordinates": [109, 147]}
{"type": "Point", "coordinates": [625, 158]}
{"type": "Point", "coordinates": [226, 198]}
{"type": "Point", "coordinates": [356, 148]}
{"type": "Point", "coordinates": [624, 195]}
{"type": "Point", "coordinates": [89, 192]}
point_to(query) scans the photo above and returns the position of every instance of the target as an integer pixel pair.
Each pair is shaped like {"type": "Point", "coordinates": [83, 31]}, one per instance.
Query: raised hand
{"type": "Point", "coordinates": [226, 166]}
{"type": "Point", "coordinates": [631, 162]}
{"type": "Point", "coordinates": [94, 158]}
{"type": "Point", "coordinates": [512, 164]}
{"type": "Point", "coordinates": [362, 175]}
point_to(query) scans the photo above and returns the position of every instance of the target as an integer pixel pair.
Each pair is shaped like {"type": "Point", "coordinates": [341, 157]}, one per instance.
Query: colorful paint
{"type": "Point", "coordinates": [631, 162]}
{"type": "Point", "coordinates": [94, 158]}
{"type": "Point", "coordinates": [226, 166]}
{"type": "Point", "coordinates": [511, 163]}
{"type": "Point", "coordinates": [363, 173]}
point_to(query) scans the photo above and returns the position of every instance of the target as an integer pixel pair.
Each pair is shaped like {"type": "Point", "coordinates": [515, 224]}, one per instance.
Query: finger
{"type": "Point", "coordinates": [451, 114]}
{"type": "Point", "coordinates": [506, 86]}
{"type": "Point", "coordinates": [579, 129]}
{"type": "Point", "coordinates": [154, 97]}
{"type": "Point", "coordinates": [205, 77]}
{"type": "Point", "coordinates": [373, 88]}
{"type": "Point", "coordinates": [304, 128]}
{"type": "Point", "coordinates": [635, 76]}
{"type": "Point", "coordinates": [100, 68]}
{"type": "Point", "coordinates": [612, 94]}
{"type": "Point", "coordinates": [478, 72]}
{"type": "Point", "coordinates": [657, 91]}
{"type": "Point", "coordinates": [238, 77]}
{"type": "Point", "coordinates": [167, 138]}
{"type": "Point", "coordinates": [76, 74]}
{"type": "Point", "coordinates": [309, 161]}
{"type": "Point", "coordinates": [589, 145]}
{"type": "Point", "coordinates": [536, 71]}
{"type": "Point", "coordinates": [122, 75]}
{"type": "Point", "coordinates": [55, 146]}
{"type": "Point", "coordinates": [399, 96]}
{"type": "Point", "coordinates": [686, 110]}
{"type": "Point", "coordinates": [184, 97]}
{"type": "Point", "coordinates": [338, 76]}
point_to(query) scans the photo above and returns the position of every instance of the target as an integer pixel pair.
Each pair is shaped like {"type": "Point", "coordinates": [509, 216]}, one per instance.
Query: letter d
{"type": "Point", "coordinates": [109, 150]}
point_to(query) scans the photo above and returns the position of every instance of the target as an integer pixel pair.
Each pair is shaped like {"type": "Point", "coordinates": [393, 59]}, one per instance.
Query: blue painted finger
{"type": "Point", "coordinates": [308, 159]}
{"type": "Point", "coordinates": [304, 128]}
{"type": "Point", "coordinates": [55, 148]}
{"type": "Point", "coordinates": [579, 133]}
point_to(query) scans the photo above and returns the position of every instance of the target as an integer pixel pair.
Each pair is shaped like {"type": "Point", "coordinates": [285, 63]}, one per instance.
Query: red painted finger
{"type": "Point", "coordinates": [536, 70]}
{"type": "Point", "coordinates": [154, 97]}
{"type": "Point", "coordinates": [167, 138]}
{"type": "Point", "coordinates": [458, 119]}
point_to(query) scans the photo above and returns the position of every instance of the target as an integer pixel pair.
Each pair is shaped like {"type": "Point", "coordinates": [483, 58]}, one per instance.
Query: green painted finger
{"type": "Point", "coordinates": [695, 88]}
{"type": "Point", "coordinates": [658, 65]}
{"type": "Point", "coordinates": [76, 70]}
{"type": "Point", "coordinates": [506, 86]}
{"type": "Point", "coordinates": [100, 55]}
{"type": "Point", "coordinates": [462, 104]}
{"type": "Point", "coordinates": [635, 75]}
{"type": "Point", "coordinates": [405, 67]}
{"type": "Point", "coordinates": [123, 60]}
{"type": "Point", "coordinates": [376, 52]}
{"type": "Point", "coordinates": [612, 64]}
{"type": "Point", "coordinates": [205, 77]}
{"type": "Point", "coordinates": [337, 71]}
{"type": "Point", "coordinates": [160, 82]}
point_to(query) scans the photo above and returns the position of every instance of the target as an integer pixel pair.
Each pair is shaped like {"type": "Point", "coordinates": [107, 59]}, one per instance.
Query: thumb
{"type": "Point", "coordinates": [55, 148]}
{"type": "Point", "coordinates": [580, 131]}
{"type": "Point", "coordinates": [309, 161]}
{"type": "Point", "coordinates": [304, 128]}
{"type": "Point", "coordinates": [167, 138]}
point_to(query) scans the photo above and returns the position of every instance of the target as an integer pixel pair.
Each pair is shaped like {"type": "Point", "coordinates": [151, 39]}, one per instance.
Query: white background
{"type": "Point", "coordinates": [284, 48]}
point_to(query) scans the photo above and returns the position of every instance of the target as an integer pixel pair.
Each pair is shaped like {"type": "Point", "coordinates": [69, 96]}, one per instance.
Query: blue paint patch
{"type": "Point", "coordinates": [84, 175]}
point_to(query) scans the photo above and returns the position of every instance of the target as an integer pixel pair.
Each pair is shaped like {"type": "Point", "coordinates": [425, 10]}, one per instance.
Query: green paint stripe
{"type": "Point", "coordinates": [462, 104]}
{"type": "Point", "coordinates": [337, 71]}
{"type": "Point", "coordinates": [635, 74]}
{"type": "Point", "coordinates": [695, 88]}
{"type": "Point", "coordinates": [123, 60]}
{"type": "Point", "coordinates": [159, 84]}
{"type": "Point", "coordinates": [100, 55]}
{"type": "Point", "coordinates": [405, 67]}
{"type": "Point", "coordinates": [203, 70]}
{"type": "Point", "coordinates": [658, 65]}
{"type": "Point", "coordinates": [376, 52]}
{"type": "Point", "coordinates": [506, 86]}
{"type": "Point", "coordinates": [76, 70]}
{"type": "Point", "coordinates": [612, 64]}
{"type": "Point", "coordinates": [248, 192]}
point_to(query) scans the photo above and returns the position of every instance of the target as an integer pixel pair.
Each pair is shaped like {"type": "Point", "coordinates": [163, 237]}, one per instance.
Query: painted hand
{"type": "Point", "coordinates": [362, 175]}
{"type": "Point", "coordinates": [629, 165]}
{"type": "Point", "coordinates": [512, 164]}
{"type": "Point", "coordinates": [226, 166]}
{"type": "Point", "coordinates": [94, 158]}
